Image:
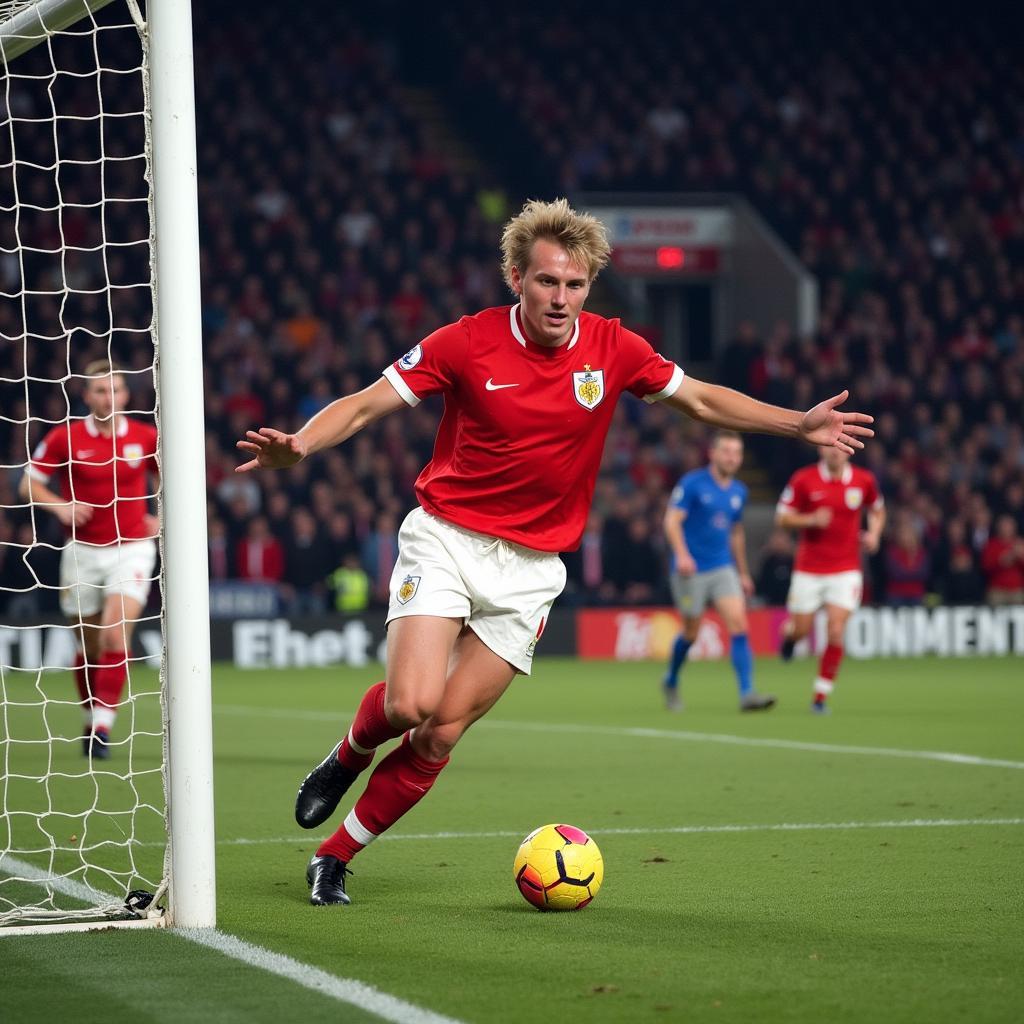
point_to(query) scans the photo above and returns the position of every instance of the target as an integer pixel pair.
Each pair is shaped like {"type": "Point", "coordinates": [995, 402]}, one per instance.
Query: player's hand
{"type": "Point", "coordinates": [821, 517]}
{"type": "Point", "coordinates": [271, 449]}
{"type": "Point", "coordinates": [824, 425]}
{"type": "Point", "coordinates": [151, 524]}
{"type": "Point", "coordinates": [74, 513]}
{"type": "Point", "coordinates": [685, 565]}
{"type": "Point", "coordinates": [869, 541]}
{"type": "Point", "coordinates": [747, 584]}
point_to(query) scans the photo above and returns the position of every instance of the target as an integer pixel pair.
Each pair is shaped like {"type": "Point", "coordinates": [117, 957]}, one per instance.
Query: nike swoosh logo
{"type": "Point", "coordinates": [491, 386]}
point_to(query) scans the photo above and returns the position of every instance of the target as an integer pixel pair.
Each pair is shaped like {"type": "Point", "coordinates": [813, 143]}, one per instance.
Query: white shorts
{"type": "Point", "coordinates": [809, 591]}
{"type": "Point", "coordinates": [90, 573]}
{"type": "Point", "coordinates": [502, 590]}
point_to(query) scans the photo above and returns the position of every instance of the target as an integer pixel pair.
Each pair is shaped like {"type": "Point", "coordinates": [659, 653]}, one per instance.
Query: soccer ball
{"type": "Point", "coordinates": [558, 867]}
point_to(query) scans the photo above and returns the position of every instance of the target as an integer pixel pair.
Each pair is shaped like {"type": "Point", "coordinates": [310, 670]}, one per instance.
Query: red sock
{"type": "Point", "coordinates": [370, 729]}
{"type": "Point", "coordinates": [82, 681]}
{"type": "Point", "coordinates": [828, 668]}
{"type": "Point", "coordinates": [108, 682]}
{"type": "Point", "coordinates": [397, 784]}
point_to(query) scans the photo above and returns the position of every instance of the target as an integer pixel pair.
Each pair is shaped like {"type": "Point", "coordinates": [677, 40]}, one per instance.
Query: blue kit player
{"type": "Point", "coordinates": [704, 527]}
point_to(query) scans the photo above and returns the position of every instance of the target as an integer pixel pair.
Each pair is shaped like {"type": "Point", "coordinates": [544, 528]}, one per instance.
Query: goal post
{"type": "Point", "coordinates": [151, 144]}
{"type": "Point", "coordinates": [180, 376]}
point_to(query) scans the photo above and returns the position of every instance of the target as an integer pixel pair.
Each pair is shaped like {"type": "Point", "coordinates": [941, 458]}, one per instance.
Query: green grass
{"type": "Point", "coordinates": [884, 923]}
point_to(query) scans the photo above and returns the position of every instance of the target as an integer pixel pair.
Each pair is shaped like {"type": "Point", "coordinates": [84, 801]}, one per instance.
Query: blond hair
{"type": "Point", "coordinates": [100, 368]}
{"type": "Point", "coordinates": [581, 235]}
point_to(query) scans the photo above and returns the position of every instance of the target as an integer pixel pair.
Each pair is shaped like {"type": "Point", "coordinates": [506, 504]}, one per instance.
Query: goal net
{"type": "Point", "coordinates": [83, 822]}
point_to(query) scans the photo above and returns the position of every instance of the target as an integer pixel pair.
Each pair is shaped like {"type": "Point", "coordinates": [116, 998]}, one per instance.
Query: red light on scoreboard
{"type": "Point", "coordinates": [670, 257]}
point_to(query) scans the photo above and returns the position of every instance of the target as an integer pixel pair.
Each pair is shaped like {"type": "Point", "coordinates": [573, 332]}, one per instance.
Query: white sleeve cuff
{"type": "Point", "coordinates": [781, 509]}
{"type": "Point", "coordinates": [670, 388]}
{"type": "Point", "coordinates": [394, 378]}
{"type": "Point", "coordinates": [37, 474]}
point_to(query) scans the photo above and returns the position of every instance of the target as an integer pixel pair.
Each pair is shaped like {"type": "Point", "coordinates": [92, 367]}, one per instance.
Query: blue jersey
{"type": "Point", "coordinates": [711, 512]}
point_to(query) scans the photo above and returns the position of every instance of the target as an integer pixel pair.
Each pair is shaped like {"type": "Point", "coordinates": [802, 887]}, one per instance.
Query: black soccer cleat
{"type": "Point", "coordinates": [786, 650]}
{"type": "Point", "coordinates": [757, 702]}
{"type": "Point", "coordinates": [322, 789]}
{"type": "Point", "coordinates": [96, 745]}
{"type": "Point", "coordinates": [326, 878]}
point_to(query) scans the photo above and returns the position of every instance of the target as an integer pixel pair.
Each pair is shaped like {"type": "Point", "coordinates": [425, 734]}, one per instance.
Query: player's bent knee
{"type": "Point", "coordinates": [435, 743]}
{"type": "Point", "coordinates": [408, 711]}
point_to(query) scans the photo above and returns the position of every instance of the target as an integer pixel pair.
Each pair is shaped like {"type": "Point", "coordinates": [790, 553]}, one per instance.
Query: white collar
{"type": "Point", "coordinates": [94, 431]}
{"type": "Point", "coordinates": [828, 478]}
{"type": "Point", "coordinates": [518, 334]}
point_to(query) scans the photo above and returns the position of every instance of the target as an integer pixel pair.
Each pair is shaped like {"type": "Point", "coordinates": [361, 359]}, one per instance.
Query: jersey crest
{"type": "Point", "coordinates": [854, 497]}
{"type": "Point", "coordinates": [133, 454]}
{"type": "Point", "coordinates": [588, 387]}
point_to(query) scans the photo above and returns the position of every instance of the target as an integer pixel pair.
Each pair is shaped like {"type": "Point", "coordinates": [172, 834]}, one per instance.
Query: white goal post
{"type": "Point", "coordinates": [165, 63]}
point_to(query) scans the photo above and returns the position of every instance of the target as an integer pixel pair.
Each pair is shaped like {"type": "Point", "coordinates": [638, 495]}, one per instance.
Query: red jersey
{"type": "Point", "coordinates": [836, 547]}
{"type": "Point", "coordinates": [108, 473]}
{"type": "Point", "coordinates": [519, 445]}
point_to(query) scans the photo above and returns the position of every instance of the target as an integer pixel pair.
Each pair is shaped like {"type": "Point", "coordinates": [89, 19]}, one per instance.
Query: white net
{"type": "Point", "coordinates": [82, 807]}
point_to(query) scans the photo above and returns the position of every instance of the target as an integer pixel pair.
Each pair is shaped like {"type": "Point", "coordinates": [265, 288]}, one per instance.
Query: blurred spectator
{"type": "Point", "coordinates": [635, 568]}
{"type": "Point", "coordinates": [259, 557]}
{"type": "Point", "coordinates": [307, 556]}
{"type": "Point", "coordinates": [907, 566]}
{"type": "Point", "coordinates": [350, 586]}
{"type": "Point", "coordinates": [956, 571]}
{"type": "Point", "coordinates": [219, 544]}
{"type": "Point", "coordinates": [379, 554]}
{"type": "Point", "coordinates": [776, 568]}
{"type": "Point", "coordinates": [1003, 564]}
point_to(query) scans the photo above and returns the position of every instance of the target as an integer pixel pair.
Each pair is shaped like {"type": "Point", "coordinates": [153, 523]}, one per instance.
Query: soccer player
{"type": "Point", "coordinates": [704, 528]}
{"type": "Point", "coordinates": [826, 503]}
{"type": "Point", "coordinates": [529, 392]}
{"type": "Point", "coordinates": [95, 475]}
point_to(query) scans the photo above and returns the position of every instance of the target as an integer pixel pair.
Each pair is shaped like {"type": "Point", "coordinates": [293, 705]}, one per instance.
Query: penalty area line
{"type": "Point", "coordinates": [344, 990]}
{"type": "Point", "coordinates": [679, 735]}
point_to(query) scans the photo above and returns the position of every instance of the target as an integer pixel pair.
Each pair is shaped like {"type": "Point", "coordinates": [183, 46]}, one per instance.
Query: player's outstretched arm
{"type": "Point", "coordinates": [273, 449]}
{"type": "Point", "coordinates": [723, 407]}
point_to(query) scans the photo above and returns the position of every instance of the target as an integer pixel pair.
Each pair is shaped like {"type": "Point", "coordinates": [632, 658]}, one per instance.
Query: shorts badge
{"type": "Point", "coordinates": [532, 645]}
{"type": "Point", "coordinates": [407, 589]}
{"type": "Point", "coordinates": [588, 387]}
{"type": "Point", "coordinates": [854, 497]}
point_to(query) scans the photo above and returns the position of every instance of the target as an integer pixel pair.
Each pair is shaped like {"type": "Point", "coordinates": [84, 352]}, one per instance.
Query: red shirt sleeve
{"type": "Point", "coordinates": [649, 375]}
{"type": "Point", "coordinates": [794, 495]}
{"type": "Point", "coordinates": [872, 495]}
{"type": "Point", "coordinates": [433, 366]}
{"type": "Point", "coordinates": [51, 456]}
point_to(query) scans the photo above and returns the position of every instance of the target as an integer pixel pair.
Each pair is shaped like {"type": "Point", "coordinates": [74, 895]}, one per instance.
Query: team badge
{"type": "Point", "coordinates": [407, 589]}
{"type": "Point", "coordinates": [735, 501]}
{"type": "Point", "coordinates": [854, 497]}
{"type": "Point", "coordinates": [132, 454]}
{"type": "Point", "coordinates": [588, 387]}
{"type": "Point", "coordinates": [411, 358]}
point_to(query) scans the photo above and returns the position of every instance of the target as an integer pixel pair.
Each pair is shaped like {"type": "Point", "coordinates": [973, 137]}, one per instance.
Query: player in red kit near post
{"type": "Point", "coordinates": [96, 476]}
{"type": "Point", "coordinates": [827, 503]}
{"type": "Point", "coordinates": [529, 393]}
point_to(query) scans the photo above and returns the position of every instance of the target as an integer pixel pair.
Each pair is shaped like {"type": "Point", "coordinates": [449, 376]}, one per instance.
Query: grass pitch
{"type": "Point", "coordinates": [774, 867]}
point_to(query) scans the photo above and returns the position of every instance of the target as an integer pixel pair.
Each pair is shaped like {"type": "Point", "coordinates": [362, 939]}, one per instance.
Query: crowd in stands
{"type": "Point", "coordinates": [336, 234]}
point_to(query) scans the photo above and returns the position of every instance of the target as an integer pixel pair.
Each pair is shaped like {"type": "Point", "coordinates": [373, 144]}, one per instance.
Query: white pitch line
{"type": "Point", "coordinates": [345, 990]}
{"type": "Point", "coordinates": [756, 741]}
{"type": "Point", "coordinates": [682, 830]}
{"type": "Point", "coordinates": [678, 735]}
